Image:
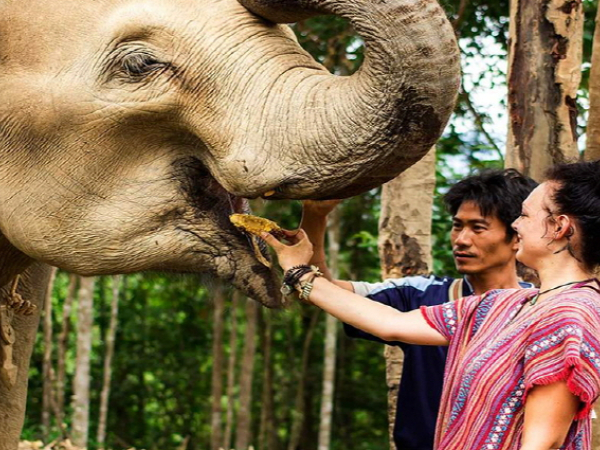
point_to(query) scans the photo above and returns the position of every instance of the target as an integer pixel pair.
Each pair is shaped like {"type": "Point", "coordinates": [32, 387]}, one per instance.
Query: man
{"type": "Point", "coordinates": [484, 245]}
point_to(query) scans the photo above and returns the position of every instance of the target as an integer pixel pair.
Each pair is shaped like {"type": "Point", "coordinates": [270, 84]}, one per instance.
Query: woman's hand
{"type": "Point", "coordinates": [299, 251]}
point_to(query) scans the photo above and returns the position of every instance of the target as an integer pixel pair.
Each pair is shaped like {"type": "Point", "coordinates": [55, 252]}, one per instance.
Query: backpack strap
{"type": "Point", "coordinates": [455, 290]}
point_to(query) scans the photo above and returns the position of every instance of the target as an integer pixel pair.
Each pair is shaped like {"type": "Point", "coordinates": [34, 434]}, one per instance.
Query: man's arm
{"type": "Point", "coordinates": [549, 413]}
{"type": "Point", "coordinates": [314, 224]}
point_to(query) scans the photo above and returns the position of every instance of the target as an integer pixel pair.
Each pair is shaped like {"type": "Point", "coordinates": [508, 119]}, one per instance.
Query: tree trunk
{"type": "Point", "coordinates": [331, 330]}
{"type": "Point", "coordinates": [544, 73]}
{"type": "Point", "coordinates": [266, 436]}
{"type": "Point", "coordinates": [596, 429]}
{"type": "Point", "coordinates": [217, 369]}
{"type": "Point", "coordinates": [81, 384]}
{"type": "Point", "coordinates": [47, 396]}
{"type": "Point", "coordinates": [231, 365]}
{"type": "Point", "coordinates": [405, 246]}
{"type": "Point", "coordinates": [61, 354]}
{"type": "Point", "coordinates": [592, 153]}
{"type": "Point", "coordinates": [298, 411]}
{"type": "Point", "coordinates": [243, 432]}
{"type": "Point", "coordinates": [592, 148]}
{"type": "Point", "coordinates": [110, 348]}
{"type": "Point", "coordinates": [32, 287]}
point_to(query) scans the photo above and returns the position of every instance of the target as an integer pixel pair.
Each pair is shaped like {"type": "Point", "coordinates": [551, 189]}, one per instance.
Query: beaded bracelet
{"type": "Point", "coordinates": [292, 276]}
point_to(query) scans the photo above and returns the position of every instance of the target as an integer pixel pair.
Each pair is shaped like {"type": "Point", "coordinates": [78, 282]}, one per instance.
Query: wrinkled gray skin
{"type": "Point", "coordinates": [130, 130]}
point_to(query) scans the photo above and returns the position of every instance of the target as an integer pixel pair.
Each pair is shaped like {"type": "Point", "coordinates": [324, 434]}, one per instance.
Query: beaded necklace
{"type": "Point", "coordinates": [535, 298]}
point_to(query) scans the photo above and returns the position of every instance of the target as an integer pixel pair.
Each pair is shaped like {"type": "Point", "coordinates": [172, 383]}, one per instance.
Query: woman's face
{"type": "Point", "coordinates": [534, 227]}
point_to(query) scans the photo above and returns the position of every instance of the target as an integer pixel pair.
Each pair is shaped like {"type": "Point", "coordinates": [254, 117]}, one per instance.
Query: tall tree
{"type": "Point", "coordinates": [592, 149]}
{"type": "Point", "coordinates": [48, 375]}
{"type": "Point", "coordinates": [217, 368]}
{"type": "Point", "coordinates": [231, 365]}
{"type": "Point", "coordinates": [266, 435]}
{"type": "Point", "coordinates": [544, 72]}
{"type": "Point", "coordinates": [108, 358]}
{"type": "Point", "coordinates": [244, 422]}
{"type": "Point", "coordinates": [405, 245]}
{"type": "Point", "coordinates": [61, 351]}
{"type": "Point", "coordinates": [331, 330]}
{"type": "Point", "coordinates": [298, 411]}
{"type": "Point", "coordinates": [81, 383]}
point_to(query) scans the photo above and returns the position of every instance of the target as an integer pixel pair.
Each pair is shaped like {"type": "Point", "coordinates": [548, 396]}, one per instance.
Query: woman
{"type": "Point", "coordinates": [523, 367]}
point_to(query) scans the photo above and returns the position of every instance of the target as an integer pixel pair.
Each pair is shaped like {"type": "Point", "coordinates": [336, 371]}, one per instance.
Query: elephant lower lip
{"type": "Point", "coordinates": [239, 205]}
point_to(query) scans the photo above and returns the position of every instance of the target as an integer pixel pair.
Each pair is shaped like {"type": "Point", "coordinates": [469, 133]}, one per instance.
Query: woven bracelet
{"type": "Point", "coordinates": [304, 288]}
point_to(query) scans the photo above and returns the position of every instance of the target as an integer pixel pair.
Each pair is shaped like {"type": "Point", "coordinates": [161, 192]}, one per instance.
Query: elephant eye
{"type": "Point", "coordinates": [137, 65]}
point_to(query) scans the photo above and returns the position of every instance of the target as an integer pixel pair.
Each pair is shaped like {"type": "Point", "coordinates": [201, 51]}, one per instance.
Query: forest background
{"type": "Point", "coordinates": [198, 366]}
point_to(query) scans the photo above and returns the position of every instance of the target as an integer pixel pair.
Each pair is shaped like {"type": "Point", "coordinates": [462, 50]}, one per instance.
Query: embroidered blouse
{"type": "Point", "coordinates": [496, 355]}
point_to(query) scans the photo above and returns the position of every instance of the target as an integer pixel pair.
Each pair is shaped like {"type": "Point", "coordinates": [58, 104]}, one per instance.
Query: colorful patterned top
{"type": "Point", "coordinates": [496, 356]}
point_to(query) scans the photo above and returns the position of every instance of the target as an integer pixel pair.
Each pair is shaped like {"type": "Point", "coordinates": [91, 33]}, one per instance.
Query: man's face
{"type": "Point", "coordinates": [479, 243]}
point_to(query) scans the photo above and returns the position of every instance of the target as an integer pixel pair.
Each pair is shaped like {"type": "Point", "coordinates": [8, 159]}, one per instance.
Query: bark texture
{"type": "Point", "coordinates": [244, 422]}
{"type": "Point", "coordinates": [32, 287]}
{"type": "Point", "coordinates": [81, 383]}
{"type": "Point", "coordinates": [544, 74]}
{"type": "Point", "coordinates": [299, 410]}
{"type": "Point", "coordinates": [405, 246]}
{"type": "Point", "coordinates": [231, 364]}
{"type": "Point", "coordinates": [331, 330]}
{"type": "Point", "coordinates": [110, 350]}
{"type": "Point", "coordinates": [61, 350]}
{"type": "Point", "coordinates": [267, 438]}
{"type": "Point", "coordinates": [592, 148]}
{"type": "Point", "coordinates": [596, 431]}
{"type": "Point", "coordinates": [47, 371]}
{"type": "Point", "coordinates": [217, 368]}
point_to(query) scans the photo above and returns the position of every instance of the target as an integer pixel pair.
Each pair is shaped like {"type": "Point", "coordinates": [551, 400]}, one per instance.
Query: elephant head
{"type": "Point", "coordinates": [131, 129]}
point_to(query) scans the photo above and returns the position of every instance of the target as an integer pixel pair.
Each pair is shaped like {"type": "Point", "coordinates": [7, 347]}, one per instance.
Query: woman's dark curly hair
{"type": "Point", "coordinates": [577, 194]}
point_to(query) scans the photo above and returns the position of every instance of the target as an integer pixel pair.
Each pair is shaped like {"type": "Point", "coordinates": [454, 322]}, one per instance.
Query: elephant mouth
{"type": "Point", "coordinates": [240, 205]}
{"type": "Point", "coordinates": [248, 264]}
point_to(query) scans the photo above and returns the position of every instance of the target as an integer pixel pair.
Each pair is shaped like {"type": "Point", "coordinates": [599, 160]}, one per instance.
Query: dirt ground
{"type": "Point", "coordinates": [38, 445]}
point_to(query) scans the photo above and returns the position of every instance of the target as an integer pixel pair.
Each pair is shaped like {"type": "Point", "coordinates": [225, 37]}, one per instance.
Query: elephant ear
{"type": "Point", "coordinates": [283, 11]}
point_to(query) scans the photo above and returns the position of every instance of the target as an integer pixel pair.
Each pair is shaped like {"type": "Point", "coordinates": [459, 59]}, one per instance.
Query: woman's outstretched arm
{"type": "Point", "coordinates": [375, 318]}
{"type": "Point", "coordinates": [379, 320]}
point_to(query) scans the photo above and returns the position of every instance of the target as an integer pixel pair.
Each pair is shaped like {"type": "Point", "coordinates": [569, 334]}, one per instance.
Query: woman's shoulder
{"type": "Point", "coordinates": [588, 294]}
{"type": "Point", "coordinates": [581, 302]}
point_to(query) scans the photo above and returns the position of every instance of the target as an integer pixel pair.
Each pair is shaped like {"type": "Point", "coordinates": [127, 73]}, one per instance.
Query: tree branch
{"type": "Point", "coordinates": [479, 122]}
{"type": "Point", "coordinates": [460, 16]}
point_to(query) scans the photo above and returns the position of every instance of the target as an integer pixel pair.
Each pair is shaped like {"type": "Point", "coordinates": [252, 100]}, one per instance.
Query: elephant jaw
{"type": "Point", "coordinates": [214, 242]}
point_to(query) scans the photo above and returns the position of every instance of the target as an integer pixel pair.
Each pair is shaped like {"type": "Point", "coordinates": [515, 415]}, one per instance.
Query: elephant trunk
{"type": "Point", "coordinates": [346, 135]}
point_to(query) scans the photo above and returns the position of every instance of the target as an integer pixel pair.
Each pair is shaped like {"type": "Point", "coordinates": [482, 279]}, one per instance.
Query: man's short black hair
{"type": "Point", "coordinates": [497, 193]}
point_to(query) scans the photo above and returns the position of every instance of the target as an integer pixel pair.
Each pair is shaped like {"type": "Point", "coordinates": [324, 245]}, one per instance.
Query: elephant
{"type": "Point", "coordinates": [131, 129]}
